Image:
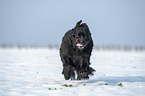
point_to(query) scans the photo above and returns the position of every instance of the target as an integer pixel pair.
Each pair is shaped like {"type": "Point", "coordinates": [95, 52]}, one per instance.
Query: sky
{"type": "Point", "coordinates": [44, 22]}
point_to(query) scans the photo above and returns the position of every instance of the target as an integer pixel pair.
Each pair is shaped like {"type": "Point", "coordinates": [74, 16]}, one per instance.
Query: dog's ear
{"type": "Point", "coordinates": [83, 25]}
{"type": "Point", "coordinates": [78, 24]}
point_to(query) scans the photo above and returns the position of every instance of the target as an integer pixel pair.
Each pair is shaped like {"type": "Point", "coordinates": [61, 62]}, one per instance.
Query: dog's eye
{"type": "Point", "coordinates": [84, 35]}
{"type": "Point", "coordinates": [73, 36]}
{"type": "Point", "coordinates": [79, 35]}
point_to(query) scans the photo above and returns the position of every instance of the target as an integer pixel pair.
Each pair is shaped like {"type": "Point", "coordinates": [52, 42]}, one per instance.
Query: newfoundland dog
{"type": "Point", "coordinates": [75, 52]}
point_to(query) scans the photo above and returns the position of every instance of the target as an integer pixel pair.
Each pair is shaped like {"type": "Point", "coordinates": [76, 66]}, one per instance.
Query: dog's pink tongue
{"type": "Point", "coordinates": [79, 44]}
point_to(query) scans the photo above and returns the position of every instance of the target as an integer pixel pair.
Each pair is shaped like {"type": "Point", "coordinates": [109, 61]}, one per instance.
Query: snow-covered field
{"type": "Point", "coordinates": [37, 72]}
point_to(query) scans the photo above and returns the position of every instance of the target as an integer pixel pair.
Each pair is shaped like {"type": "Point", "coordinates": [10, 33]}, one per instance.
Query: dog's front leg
{"type": "Point", "coordinates": [83, 72]}
{"type": "Point", "coordinates": [67, 68]}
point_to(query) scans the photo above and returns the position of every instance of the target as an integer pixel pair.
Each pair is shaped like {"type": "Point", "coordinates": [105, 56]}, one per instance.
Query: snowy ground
{"type": "Point", "coordinates": [37, 72]}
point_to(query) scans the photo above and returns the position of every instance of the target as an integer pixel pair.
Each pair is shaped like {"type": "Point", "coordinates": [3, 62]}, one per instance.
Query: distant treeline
{"type": "Point", "coordinates": [96, 47]}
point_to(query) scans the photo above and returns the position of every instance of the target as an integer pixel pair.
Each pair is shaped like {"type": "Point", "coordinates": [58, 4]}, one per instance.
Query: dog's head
{"type": "Point", "coordinates": [81, 35]}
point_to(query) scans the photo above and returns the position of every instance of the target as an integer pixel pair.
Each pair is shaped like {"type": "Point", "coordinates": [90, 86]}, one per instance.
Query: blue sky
{"type": "Point", "coordinates": [43, 22]}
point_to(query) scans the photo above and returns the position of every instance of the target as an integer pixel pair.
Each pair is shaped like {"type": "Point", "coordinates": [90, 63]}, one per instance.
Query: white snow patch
{"type": "Point", "coordinates": [37, 72]}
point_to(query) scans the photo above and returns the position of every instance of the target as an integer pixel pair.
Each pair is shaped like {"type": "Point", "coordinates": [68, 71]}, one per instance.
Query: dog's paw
{"type": "Point", "coordinates": [83, 74]}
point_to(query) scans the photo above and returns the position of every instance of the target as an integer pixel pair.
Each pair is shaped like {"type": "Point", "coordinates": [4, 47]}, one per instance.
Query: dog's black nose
{"type": "Point", "coordinates": [80, 40]}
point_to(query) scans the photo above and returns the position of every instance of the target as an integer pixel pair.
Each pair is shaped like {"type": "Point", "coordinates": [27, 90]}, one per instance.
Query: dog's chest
{"type": "Point", "coordinates": [77, 60]}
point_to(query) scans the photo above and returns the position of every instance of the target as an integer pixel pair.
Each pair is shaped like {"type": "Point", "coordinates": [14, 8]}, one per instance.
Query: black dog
{"type": "Point", "coordinates": [75, 52]}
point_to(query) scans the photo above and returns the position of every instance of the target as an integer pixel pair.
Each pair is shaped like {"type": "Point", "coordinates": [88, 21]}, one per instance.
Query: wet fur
{"type": "Point", "coordinates": [75, 59]}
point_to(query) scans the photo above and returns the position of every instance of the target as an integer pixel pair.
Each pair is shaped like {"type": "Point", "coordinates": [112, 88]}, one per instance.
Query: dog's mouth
{"type": "Point", "coordinates": [80, 46]}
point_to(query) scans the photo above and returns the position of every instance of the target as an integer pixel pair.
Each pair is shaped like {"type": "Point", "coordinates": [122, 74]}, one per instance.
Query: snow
{"type": "Point", "coordinates": [37, 72]}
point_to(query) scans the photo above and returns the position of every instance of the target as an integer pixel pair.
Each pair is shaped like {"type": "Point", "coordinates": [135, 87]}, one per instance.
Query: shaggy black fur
{"type": "Point", "coordinates": [75, 52]}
